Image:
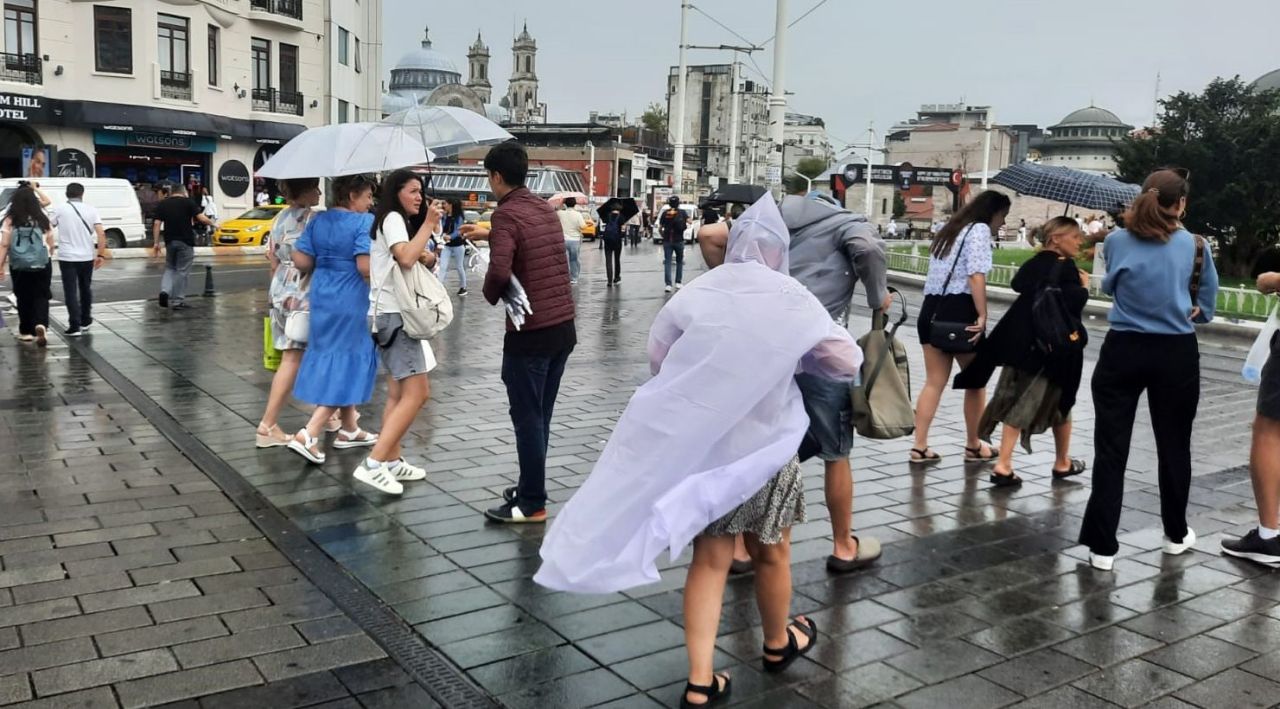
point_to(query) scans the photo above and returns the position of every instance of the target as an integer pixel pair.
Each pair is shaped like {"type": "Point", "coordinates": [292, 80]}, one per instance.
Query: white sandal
{"type": "Point", "coordinates": [334, 424]}
{"type": "Point", "coordinates": [355, 439]}
{"type": "Point", "coordinates": [308, 447]}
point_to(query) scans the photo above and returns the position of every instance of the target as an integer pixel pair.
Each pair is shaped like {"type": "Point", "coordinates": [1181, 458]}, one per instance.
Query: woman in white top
{"type": "Point", "coordinates": [406, 360]}
{"type": "Point", "coordinates": [956, 291]}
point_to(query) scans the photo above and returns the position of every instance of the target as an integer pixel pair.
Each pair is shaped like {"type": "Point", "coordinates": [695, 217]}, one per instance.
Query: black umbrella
{"type": "Point", "coordinates": [626, 205]}
{"type": "Point", "coordinates": [736, 194]}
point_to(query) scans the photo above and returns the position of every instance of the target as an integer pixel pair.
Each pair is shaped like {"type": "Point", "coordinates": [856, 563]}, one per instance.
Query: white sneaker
{"type": "Point", "coordinates": [1171, 547]}
{"type": "Point", "coordinates": [405, 472]}
{"type": "Point", "coordinates": [679, 286]}
{"type": "Point", "coordinates": [1100, 562]}
{"type": "Point", "coordinates": [379, 477]}
{"type": "Point", "coordinates": [668, 289]}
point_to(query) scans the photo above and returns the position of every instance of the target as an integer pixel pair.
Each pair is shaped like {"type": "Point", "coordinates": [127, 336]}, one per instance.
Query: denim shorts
{"type": "Point", "coordinates": [830, 411]}
{"type": "Point", "coordinates": [402, 355]}
{"type": "Point", "coordinates": [1269, 392]}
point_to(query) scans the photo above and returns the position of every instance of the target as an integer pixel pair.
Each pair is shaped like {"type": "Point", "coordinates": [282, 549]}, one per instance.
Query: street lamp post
{"type": "Point", "coordinates": [871, 140]}
{"type": "Point", "coordinates": [986, 149]}
{"type": "Point", "coordinates": [678, 143]}
{"type": "Point", "coordinates": [778, 99]}
{"type": "Point", "coordinates": [591, 172]}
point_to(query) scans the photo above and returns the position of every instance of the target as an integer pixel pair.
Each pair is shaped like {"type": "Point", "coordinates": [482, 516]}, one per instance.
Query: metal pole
{"type": "Point", "coordinates": [733, 121]}
{"type": "Point", "coordinates": [986, 149]}
{"type": "Point", "coordinates": [678, 158]}
{"type": "Point", "coordinates": [871, 139]}
{"type": "Point", "coordinates": [778, 99]}
{"type": "Point", "coordinates": [591, 188]}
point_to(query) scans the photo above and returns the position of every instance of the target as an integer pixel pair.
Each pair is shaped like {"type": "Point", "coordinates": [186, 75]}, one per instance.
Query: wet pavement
{"type": "Point", "coordinates": [982, 598]}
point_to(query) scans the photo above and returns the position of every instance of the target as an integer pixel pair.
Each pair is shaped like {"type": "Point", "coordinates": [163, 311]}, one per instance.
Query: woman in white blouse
{"type": "Point", "coordinates": [956, 292]}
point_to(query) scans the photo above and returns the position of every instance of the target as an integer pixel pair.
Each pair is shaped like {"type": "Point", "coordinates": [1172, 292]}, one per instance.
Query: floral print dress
{"type": "Point", "coordinates": [288, 287]}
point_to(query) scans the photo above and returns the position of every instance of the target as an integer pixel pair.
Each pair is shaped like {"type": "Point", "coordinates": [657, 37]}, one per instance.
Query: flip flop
{"type": "Point", "coordinates": [925, 456]}
{"type": "Point", "coordinates": [974, 455]}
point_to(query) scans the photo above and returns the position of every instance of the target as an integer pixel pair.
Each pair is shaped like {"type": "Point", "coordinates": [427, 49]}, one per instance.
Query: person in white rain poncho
{"type": "Point", "coordinates": [707, 448]}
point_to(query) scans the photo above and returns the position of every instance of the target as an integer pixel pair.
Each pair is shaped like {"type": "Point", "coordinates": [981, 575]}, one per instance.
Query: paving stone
{"type": "Point", "coordinates": [105, 671]}
{"type": "Point", "coordinates": [870, 685]}
{"type": "Point", "coordinates": [112, 534]}
{"type": "Point", "coordinates": [372, 676]}
{"type": "Point", "coordinates": [1108, 646]}
{"type": "Point", "coordinates": [85, 625]}
{"type": "Point", "coordinates": [485, 649]}
{"type": "Point", "coordinates": [38, 657]}
{"type": "Point", "coordinates": [140, 595]}
{"type": "Point", "coordinates": [580, 690]}
{"type": "Point", "coordinates": [163, 635]}
{"type": "Point", "coordinates": [306, 690]}
{"type": "Point", "coordinates": [1067, 698]}
{"type": "Point", "coordinates": [325, 629]}
{"type": "Point", "coordinates": [633, 642]}
{"type": "Point", "coordinates": [30, 575]}
{"type": "Point", "coordinates": [409, 695]}
{"type": "Point", "coordinates": [14, 688]}
{"type": "Point", "coordinates": [70, 587]}
{"type": "Point", "coordinates": [240, 645]}
{"type": "Point", "coordinates": [184, 570]}
{"type": "Point", "coordinates": [1200, 656]}
{"type": "Point", "coordinates": [1019, 636]}
{"type": "Point", "coordinates": [33, 612]}
{"type": "Point", "coordinates": [1132, 683]}
{"type": "Point", "coordinates": [849, 651]}
{"type": "Point", "coordinates": [314, 658]}
{"type": "Point", "coordinates": [960, 693]}
{"type": "Point", "coordinates": [311, 608]}
{"type": "Point", "coordinates": [207, 605]}
{"type": "Point", "coordinates": [97, 698]}
{"type": "Point", "coordinates": [515, 673]}
{"type": "Point", "coordinates": [1172, 623]}
{"type": "Point", "coordinates": [188, 683]}
{"type": "Point", "coordinates": [1037, 672]}
{"type": "Point", "coordinates": [943, 660]}
{"type": "Point", "coordinates": [123, 562]}
{"type": "Point", "coordinates": [1256, 632]}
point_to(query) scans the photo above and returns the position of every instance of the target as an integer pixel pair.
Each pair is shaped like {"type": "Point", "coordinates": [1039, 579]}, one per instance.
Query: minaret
{"type": "Point", "coordinates": [522, 94]}
{"type": "Point", "coordinates": [478, 57]}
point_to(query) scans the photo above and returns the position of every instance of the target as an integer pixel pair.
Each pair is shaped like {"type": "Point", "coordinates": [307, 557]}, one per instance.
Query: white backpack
{"type": "Point", "coordinates": [424, 303]}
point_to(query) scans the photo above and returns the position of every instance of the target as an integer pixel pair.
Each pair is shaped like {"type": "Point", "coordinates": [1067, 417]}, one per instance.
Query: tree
{"type": "Point", "coordinates": [1228, 137]}
{"type": "Point", "coordinates": [654, 119]}
{"type": "Point", "coordinates": [811, 167]}
{"type": "Point", "coordinates": [899, 205]}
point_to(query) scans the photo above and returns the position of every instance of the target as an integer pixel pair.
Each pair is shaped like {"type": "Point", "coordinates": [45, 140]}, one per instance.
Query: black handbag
{"type": "Point", "coordinates": [950, 336]}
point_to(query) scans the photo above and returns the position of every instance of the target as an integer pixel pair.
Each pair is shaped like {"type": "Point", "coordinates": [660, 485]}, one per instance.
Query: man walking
{"type": "Point", "coordinates": [571, 223]}
{"type": "Point", "coordinates": [672, 223]}
{"type": "Point", "coordinates": [82, 248]}
{"type": "Point", "coordinates": [177, 214]}
{"type": "Point", "coordinates": [1263, 543]}
{"type": "Point", "coordinates": [527, 242]}
{"type": "Point", "coordinates": [831, 250]}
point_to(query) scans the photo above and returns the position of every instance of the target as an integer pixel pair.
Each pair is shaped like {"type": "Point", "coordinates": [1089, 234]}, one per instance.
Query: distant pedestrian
{"type": "Point", "coordinates": [1038, 386]}
{"type": "Point", "coordinates": [646, 223]}
{"type": "Point", "coordinates": [454, 251]}
{"type": "Point", "coordinates": [673, 223]}
{"type": "Point", "coordinates": [1022, 233]}
{"type": "Point", "coordinates": [177, 214]}
{"type": "Point", "coordinates": [612, 238]}
{"type": "Point", "coordinates": [26, 242]}
{"type": "Point", "coordinates": [633, 229]}
{"type": "Point", "coordinates": [82, 249]}
{"type": "Point", "coordinates": [527, 243]}
{"type": "Point", "coordinates": [263, 198]}
{"type": "Point", "coordinates": [706, 450]}
{"type": "Point", "coordinates": [204, 202]}
{"type": "Point", "coordinates": [571, 224]}
{"type": "Point", "coordinates": [1262, 544]}
{"type": "Point", "coordinates": [408, 361]}
{"type": "Point", "coordinates": [339, 365]}
{"type": "Point", "coordinates": [287, 294]}
{"type": "Point", "coordinates": [955, 291]}
{"type": "Point", "coordinates": [891, 231]}
{"type": "Point", "coordinates": [1162, 281]}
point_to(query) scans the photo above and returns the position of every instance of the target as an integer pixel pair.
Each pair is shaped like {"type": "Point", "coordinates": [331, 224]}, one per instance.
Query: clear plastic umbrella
{"type": "Point", "coordinates": [447, 129]}
{"type": "Point", "coordinates": [345, 149]}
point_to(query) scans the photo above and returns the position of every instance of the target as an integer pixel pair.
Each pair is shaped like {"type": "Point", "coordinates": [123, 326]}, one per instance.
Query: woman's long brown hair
{"type": "Point", "coordinates": [1152, 216]}
{"type": "Point", "coordinates": [982, 209]}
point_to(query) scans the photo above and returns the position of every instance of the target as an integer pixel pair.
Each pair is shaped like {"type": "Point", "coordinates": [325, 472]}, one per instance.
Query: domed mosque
{"type": "Point", "coordinates": [1085, 140]}
{"type": "Point", "coordinates": [427, 77]}
{"type": "Point", "coordinates": [1268, 82]}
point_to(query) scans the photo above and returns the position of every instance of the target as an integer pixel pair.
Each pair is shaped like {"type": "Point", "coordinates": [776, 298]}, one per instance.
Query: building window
{"type": "Point", "coordinates": [343, 108]}
{"type": "Point", "coordinates": [260, 53]}
{"type": "Point", "coordinates": [20, 27]}
{"type": "Point", "coordinates": [215, 54]}
{"type": "Point", "coordinates": [172, 47]}
{"type": "Point", "coordinates": [528, 64]}
{"type": "Point", "coordinates": [288, 69]}
{"type": "Point", "coordinates": [358, 67]}
{"type": "Point", "coordinates": [343, 41]}
{"type": "Point", "coordinates": [113, 37]}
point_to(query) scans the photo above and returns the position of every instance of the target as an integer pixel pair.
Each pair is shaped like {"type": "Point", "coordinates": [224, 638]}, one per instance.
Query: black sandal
{"type": "Point", "coordinates": [925, 456]}
{"type": "Point", "coordinates": [792, 651]}
{"type": "Point", "coordinates": [714, 693]}
{"type": "Point", "coordinates": [974, 455]}
{"type": "Point", "coordinates": [1077, 466]}
{"type": "Point", "coordinates": [1009, 480]}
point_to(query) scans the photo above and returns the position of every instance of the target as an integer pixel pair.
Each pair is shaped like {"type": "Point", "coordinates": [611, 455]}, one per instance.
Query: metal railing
{"type": "Point", "coordinates": [175, 85]}
{"type": "Point", "coordinates": [275, 101]}
{"type": "Point", "coordinates": [24, 68]}
{"type": "Point", "coordinates": [1233, 303]}
{"type": "Point", "coordinates": [288, 8]}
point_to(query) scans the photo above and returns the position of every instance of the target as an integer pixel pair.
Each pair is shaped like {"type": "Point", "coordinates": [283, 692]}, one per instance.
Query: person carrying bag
{"type": "Point", "coordinates": [882, 401]}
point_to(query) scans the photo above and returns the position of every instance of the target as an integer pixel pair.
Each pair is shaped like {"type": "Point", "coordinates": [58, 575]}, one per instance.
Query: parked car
{"type": "Point", "coordinates": [249, 229]}
{"type": "Point", "coordinates": [115, 200]}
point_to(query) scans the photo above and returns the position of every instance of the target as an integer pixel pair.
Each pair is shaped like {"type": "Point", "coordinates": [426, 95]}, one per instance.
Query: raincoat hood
{"type": "Point", "coordinates": [760, 236]}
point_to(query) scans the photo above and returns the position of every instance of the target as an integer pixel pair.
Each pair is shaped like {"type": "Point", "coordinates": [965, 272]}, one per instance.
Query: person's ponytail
{"type": "Point", "coordinates": [1152, 215]}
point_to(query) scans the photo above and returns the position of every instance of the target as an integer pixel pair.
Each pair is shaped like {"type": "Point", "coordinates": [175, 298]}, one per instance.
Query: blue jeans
{"type": "Point", "coordinates": [453, 255]}
{"type": "Point", "coordinates": [178, 256]}
{"type": "Point", "coordinates": [668, 250]}
{"type": "Point", "coordinates": [533, 382]}
{"type": "Point", "coordinates": [571, 249]}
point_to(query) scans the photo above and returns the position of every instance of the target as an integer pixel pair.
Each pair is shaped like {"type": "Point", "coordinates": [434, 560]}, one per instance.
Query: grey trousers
{"type": "Point", "coordinates": [177, 267]}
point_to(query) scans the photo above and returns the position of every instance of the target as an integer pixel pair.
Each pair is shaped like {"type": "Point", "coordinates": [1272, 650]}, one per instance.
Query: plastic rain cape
{"type": "Point", "coordinates": [720, 417]}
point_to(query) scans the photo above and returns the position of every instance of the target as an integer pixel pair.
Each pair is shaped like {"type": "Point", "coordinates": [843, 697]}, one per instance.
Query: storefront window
{"type": "Point", "coordinates": [261, 61]}
{"type": "Point", "coordinates": [20, 27]}
{"type": "Point", "coordinates": [113, 36]}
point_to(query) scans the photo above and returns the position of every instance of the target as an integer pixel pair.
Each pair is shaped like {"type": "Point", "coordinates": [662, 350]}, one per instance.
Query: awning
{"type": "Point", "coordinates": [120, 117]}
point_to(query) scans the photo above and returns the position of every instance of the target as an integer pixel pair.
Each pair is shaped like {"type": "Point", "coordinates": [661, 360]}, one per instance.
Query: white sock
{"type": "Point", "coordinates": [370, 463]}
{"type": "Point", "coordinates": [1268, 533]}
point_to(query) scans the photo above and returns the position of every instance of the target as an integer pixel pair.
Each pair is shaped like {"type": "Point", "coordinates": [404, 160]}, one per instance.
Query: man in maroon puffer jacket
{"type": "Point", "coordinates": [526, 241]}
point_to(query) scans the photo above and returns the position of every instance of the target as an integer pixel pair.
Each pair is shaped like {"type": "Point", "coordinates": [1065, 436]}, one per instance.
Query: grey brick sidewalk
{"type": "Point", "coordinates": [981, 600]}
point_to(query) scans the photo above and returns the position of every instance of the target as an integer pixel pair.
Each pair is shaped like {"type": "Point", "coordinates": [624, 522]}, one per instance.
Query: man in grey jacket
{"type": "Point", "coordinates": [831, 250]}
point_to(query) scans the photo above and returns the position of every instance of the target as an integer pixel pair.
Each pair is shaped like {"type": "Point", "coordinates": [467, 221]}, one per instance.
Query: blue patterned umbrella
{"type": "Point", "coordinates": [1063, 184]}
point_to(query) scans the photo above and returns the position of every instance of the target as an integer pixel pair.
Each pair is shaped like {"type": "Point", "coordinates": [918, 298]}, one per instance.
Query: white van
{"type": "Point", "coordinates": [114, 199]}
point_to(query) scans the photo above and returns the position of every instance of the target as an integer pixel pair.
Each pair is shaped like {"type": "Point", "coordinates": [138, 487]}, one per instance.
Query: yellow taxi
{"type": "Point", "coordinates": [249, 229]}
{"type": "Point", "coordinates": [588, 227]}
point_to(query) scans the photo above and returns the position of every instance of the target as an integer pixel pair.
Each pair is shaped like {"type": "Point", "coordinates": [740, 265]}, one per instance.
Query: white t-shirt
{"type": "Point", "coordinates": [571, 223]}
{"type": "Point", "coordinates": [77, 241]}
{"type": "Point", "coordinates": [394, 231]}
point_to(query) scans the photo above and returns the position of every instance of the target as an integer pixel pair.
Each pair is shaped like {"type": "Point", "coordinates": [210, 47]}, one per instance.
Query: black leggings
{"type": "Point", "coordinates": [613, 259]}
{"type": "Point", "coordinates": [31, 290]}
{"type": "Point", "coordinates": [1167, 367]}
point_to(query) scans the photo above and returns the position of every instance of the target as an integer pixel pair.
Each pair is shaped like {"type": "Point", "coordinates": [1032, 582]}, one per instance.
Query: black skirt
{"type": "Point", "coordinates": [948, 308]}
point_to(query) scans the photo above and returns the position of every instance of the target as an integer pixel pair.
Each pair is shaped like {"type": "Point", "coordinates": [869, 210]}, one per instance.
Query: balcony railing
{"type": "Point", "coordinates": [175, 85]}
{"type": "Point", "coordinates": [274, 101]}
{"type": "Point", "coordinates": [24, 68]}
{"type": "Point", "coordinates": [287, 8]}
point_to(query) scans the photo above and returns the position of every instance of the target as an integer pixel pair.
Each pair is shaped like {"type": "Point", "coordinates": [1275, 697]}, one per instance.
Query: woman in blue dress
{"type": "Point", "coordinates": [339, 366]}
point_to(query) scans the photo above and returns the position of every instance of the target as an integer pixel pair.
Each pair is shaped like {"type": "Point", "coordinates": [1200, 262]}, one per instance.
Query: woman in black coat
{"type": "Point", "coordinates": [1038, 384]}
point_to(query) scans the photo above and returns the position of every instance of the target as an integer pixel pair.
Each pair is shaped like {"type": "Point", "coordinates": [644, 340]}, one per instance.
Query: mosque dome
{"type": "Point", "coordinates": [1268, 82]}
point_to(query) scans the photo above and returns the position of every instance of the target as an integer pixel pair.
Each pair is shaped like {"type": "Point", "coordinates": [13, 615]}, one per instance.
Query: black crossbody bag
{"type": "Point", "coordinates": [946, 335]}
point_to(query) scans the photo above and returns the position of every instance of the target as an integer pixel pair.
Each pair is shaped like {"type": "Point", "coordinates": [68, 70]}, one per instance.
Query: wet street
{"type": "Point", "coordinates": [151, 554]}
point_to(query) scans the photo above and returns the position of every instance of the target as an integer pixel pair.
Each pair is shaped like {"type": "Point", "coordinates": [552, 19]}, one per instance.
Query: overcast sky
{"type": "Point", "coordinates": [856, 61]}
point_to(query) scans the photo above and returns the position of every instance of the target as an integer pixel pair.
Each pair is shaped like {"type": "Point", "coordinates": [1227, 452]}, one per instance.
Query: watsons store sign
{"type": "Point", "coordinates": [155, 141]}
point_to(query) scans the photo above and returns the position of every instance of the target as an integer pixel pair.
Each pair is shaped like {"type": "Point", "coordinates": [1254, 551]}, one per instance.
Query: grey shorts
{"type": "Point", "coordinates": [1269, 392]}
{"type": "Point", "coordinates": [402, 355]}
{"type": "Point", "coordinates": [830, 411]}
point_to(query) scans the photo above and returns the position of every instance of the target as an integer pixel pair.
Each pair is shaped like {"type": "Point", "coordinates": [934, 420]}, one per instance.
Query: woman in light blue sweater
{"type": "Point", "coordinates": [1163, 281]}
